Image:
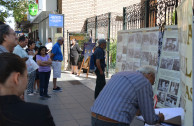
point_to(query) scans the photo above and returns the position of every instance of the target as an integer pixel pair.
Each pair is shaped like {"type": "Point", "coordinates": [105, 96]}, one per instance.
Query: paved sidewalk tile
{"type": "Point", "coordinates": [71, 107]}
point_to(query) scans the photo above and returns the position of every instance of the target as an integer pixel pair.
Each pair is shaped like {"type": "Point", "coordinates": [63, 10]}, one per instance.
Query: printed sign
{"type": "Point", "coordinates": [56, 20]}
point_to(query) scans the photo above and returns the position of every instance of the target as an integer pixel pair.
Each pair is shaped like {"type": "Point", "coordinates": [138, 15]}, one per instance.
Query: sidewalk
{"type": "Point", "coordinates": [71, 107]}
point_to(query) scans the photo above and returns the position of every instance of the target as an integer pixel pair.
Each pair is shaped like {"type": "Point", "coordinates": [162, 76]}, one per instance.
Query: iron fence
{"type": "Point", "coordinates": [105, 26]}
{"type": "Point", "coordinates": [150, 13]}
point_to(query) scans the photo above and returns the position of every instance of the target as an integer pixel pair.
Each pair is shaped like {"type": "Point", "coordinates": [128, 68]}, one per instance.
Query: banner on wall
{"type": "Point", "coordinates": [185, 14]}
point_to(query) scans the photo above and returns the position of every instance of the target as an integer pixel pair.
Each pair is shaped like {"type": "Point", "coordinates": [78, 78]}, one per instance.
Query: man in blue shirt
{"type": "Point", "coordinates": [57, 58]}
{"type": "Point", "coordinates": [125, 94]}
{"type": "Point", "coordinates": [99, 56]}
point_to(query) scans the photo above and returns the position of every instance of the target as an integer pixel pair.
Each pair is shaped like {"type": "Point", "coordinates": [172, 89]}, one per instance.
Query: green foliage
{"type": "Point", "coordinates": [173, 17]}
{"type": "Point", "coordinates": [113, 51]}
{"type": "Point", "coordinates": [19, 8]}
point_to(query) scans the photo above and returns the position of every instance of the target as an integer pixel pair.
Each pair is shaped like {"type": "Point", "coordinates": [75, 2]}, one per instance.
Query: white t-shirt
{"type": "Point", "coordinates": [49, 45]}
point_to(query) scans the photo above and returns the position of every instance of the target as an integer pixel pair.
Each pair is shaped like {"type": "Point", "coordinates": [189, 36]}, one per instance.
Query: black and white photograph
{"type": "Point", "coordinates": [161, 97]}
{"type": "Point", "coordinates": [145, 39]}
{"type": "Point", "coordinates": [153, 59]}
{"type": "Point", "coordinates": [138, 38]}
{"type": "Point", "coordinates": [123, 67]}
{"type": "Point", "coordinates": [124, 49]}
{"type": "Point", "coordinates": [176, 65]}
{"type": "Point", "coordinates": [145, 57]}
{"type": "Point", "coordinates": [174, 87]}
{"type": "Point", "coordinates": [131, 39]}
{"type": "Point", "coordinates": [137, 53]}
{"type": "Point", "coordinates": [153, 39]}
{"type": "Point", "coordinates": [163, 85]}
{"type": "Point", "coordinates": [171, 44]}
{"type": "Point", "coordinates": [130, 53]}
{"type": "Point", "coordinates": [171, 100]}
{"type": "Point", "coordinates": [166, 63]}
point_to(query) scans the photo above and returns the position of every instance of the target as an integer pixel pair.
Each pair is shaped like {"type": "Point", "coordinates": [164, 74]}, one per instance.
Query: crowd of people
{"type": "Point", "coordinates": [116, 103]}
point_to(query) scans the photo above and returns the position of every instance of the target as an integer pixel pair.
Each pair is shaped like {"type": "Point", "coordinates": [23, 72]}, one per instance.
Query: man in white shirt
{"type": "Point", "coordinates": [23, 41]}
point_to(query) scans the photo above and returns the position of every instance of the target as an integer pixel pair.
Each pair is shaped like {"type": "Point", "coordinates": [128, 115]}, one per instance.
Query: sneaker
{"type": "Point", "coordinates": [57, 89]}
{"type": "Point", "coordinates": [47, 96]}
{"type": "Point", "coordinates": [30, 94]}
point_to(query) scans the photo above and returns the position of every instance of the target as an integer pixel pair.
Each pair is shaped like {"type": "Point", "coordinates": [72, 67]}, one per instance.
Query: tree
{"type": "Point", "coordinates": [19, 8]}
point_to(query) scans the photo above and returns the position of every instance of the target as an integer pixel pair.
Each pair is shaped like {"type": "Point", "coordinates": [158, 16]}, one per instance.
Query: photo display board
{"type": "Point", "coordinates": [137, 48]}
{"type": "Point", "coordinates": [167, 86]}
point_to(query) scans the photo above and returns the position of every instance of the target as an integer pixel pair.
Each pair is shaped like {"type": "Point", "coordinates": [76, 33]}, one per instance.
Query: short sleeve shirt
{"type": "Point", "coordinates": [43, 68]}
{"type": "Point", "coordinates": [56, 50]}
{"type": "Point", "coordinates": [100, 54]}
{"type": "Point", "coordinates": [20, 51]}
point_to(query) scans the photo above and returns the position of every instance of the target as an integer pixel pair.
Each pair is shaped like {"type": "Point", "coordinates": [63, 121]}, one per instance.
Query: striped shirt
{"type": "Point", "coordinates": [123, 95]}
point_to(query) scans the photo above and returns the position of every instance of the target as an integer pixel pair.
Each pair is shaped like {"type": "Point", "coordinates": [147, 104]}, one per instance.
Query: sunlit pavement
{"type": "Point", "coordinates": [71, 107]}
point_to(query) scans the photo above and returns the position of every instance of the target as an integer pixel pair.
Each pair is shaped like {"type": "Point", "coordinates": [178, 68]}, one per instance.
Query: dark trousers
{"type": "Point", "coordinates": [100, 83]}
{"type": "Point", "coordinates": [44, 81]}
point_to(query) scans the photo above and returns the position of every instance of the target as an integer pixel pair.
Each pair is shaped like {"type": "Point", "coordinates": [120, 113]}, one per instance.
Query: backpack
{"type": "Point", "coordinates": [92, 63]}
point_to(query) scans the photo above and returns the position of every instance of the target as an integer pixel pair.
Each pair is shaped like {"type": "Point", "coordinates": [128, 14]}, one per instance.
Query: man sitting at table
{"type": "Point", "coordinates": [122, 97]}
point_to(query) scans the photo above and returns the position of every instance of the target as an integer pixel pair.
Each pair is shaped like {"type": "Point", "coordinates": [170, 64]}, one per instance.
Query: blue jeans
{"type": "Point", "coordinates": [44, 81]}
{"type": "Point", "coordinates": [96, 122]}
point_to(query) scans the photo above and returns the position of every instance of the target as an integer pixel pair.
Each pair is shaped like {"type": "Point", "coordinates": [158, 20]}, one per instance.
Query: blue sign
{"type": "Point", "coordinates": [55, 20]}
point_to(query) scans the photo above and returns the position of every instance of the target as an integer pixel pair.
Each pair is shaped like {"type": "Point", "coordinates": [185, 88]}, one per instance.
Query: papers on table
{"type": "Point", "coordinates": [170, 114]}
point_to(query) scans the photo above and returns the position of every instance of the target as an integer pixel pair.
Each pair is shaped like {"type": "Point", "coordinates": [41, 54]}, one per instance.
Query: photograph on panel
{"type": "Point", "coordinates": [138, 38]}
{"type": "Point", "coordinates": [171, 44]}
{"type": "Point", "coordinates": [166, 63]}
{"type": "Point", "coordinates": [137, 53]}
{"type": "Point", "coordinates": [174, 87]}
{"type": "Point", "coordinates": [130, 53]}
{"type": "Point", "coordinates": [154, 39]}
{"type": "Point", "coordinates": [171, 100]}
{"type": "Point", "coordinates": [131, 39]}
{"type": "Point", "coordinates": [145, 39]}
{"type": "Point", "coordinates": [161, 97]}
{"type": "Point", "coordinates": [176, 65]}
{"type": "Point", "coordinates": [163, 85]}
{"type": "Point", "coordinates": [124, 49]}
{"type": "Point", "coordinates": [154, 59]}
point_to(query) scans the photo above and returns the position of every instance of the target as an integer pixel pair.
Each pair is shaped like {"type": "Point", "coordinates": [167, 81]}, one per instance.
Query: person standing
{"type": "Point", "coordinates": [99, 56]}
{"type": "Point", "coordinates": [8, 38]}
{"type": "Point", "coordinates": [31, 76]}
{"type": "Point", "coordinates": [19, 49]}
{"type": "Point", "coordinates": [74, 55]}
{"type": "Point", "coordinates": [13, 110]}
{"type": "Point", "coordinates": [49, 45]}
{"type": "Point", "coordinates": [38, 43]}
{"type": "Point", "coordinates": [57, 58]}
{"type": "Point", "coordinates": [44, 62]}
{"type": "Point", "coordinates": [127, 94]}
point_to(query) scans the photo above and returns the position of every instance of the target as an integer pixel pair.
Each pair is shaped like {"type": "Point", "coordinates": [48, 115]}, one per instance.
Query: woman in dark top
{"type": "Point", "coordinates": [74, 54]}
{"type": "Point", "coordinates": [13, 82]}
